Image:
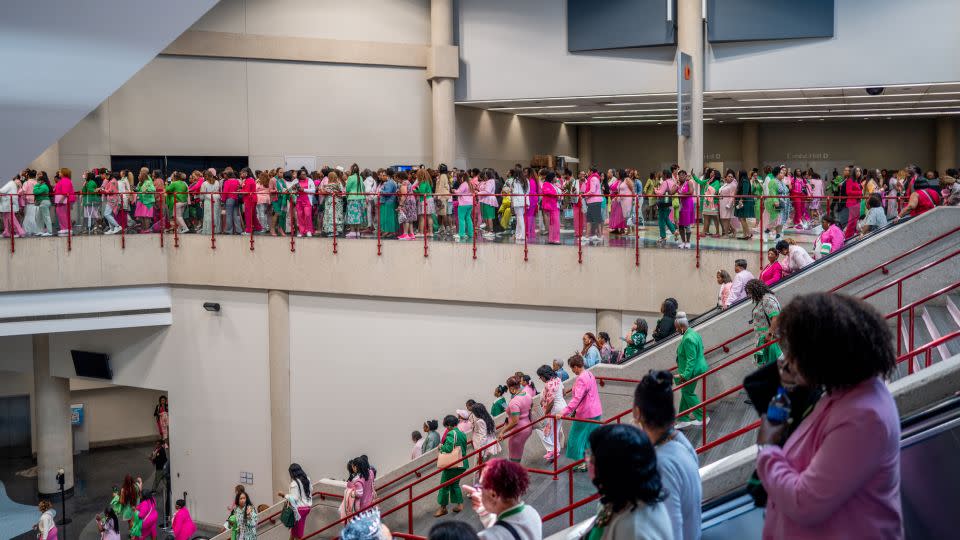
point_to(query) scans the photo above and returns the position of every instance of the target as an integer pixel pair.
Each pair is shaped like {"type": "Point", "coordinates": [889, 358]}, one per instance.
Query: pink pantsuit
{"type": "Point", "coordinates": [519, 408]}
{"type": "Point", "coordinates": [551, 207]}
{"type": "Point", "coordinates": [533, 202]}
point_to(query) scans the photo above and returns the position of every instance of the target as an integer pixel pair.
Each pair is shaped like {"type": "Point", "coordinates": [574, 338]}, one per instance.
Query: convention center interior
{"type": "Point", "coordinates": [479, 269]}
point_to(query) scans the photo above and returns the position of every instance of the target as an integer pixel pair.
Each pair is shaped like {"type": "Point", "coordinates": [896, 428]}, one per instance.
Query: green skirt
{"type": "Point", "coordinates": [579, 437]}
{"type": "Point", "coordinates": [487, 211]}
{"type": "Point", "coordinates": [388, 217]}
{"type": "Point", "coordinates": [767, 355]}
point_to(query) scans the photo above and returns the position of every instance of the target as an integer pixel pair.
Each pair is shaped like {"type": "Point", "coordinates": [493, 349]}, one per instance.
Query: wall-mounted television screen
{"type": "Point", "coordinates": [91, 364]}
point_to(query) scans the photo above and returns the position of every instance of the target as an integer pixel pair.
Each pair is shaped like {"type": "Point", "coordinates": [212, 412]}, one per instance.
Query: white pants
{"type": "Point", "coordinates": [180, 208]}
{"type": "Point", "coordinates": [30, 220]}
{"type": "Point", "coordinates": [521, 231]}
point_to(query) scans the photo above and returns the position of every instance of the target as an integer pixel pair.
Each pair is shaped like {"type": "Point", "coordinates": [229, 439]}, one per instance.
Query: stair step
{"type": "Point", "coordinates": [921, 336]}
{"type": "Point", "coordinates": [940, 323]}
{"type": "Point", "coordinates": [953, 307]}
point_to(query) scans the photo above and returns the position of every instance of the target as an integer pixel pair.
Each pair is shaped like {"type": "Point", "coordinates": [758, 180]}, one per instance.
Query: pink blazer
{"type": "Point", "coordinates": [586, 397]}
{"type": "Point", "coordinates": [838, 475]}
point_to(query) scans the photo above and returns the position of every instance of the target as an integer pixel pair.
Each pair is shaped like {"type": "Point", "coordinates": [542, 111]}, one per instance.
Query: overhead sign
{"type": "Point", "coordinates": [684, 93]}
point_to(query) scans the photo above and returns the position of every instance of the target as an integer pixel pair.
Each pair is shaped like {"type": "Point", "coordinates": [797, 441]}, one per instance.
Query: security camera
{"type": "Point", "coordinates": [875, 90]}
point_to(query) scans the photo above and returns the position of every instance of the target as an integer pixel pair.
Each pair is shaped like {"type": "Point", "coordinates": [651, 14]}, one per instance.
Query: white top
{"type": "Point", "coordinates": [737, 291]}
{"type": "Point", "coordinates": [797, 258]}
{"type": "Point", "coordinates": [518, 200]}
{"type": "Point", "coordinates": [10, 188]}
{"type": "Point", "coordinates": [526, 522]}
{"type": "Point", "coordinates": [417, 450]}
{"type": "Point", "coordinates": [214, 188]}
{"type": "Point", "coordinates": [46, 523]}
{"type": "Point", "coordinates": [643, 523]}
{"type": "Point", "coordinates": [297, 498]}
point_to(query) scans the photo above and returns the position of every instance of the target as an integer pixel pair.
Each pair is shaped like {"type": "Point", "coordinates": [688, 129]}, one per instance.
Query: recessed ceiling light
{"type": "Point", "coordinates": [532, 107]}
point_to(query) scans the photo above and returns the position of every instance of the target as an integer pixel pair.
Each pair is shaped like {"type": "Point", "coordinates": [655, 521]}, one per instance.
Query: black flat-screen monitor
{"type": "Point", "coordinates": [91, 364]}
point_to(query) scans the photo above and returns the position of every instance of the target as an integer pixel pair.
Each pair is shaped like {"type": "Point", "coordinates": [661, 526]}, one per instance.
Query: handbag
{"type": "Point", "coordinates": [445, 460]}
{"type": "Point", "coordinates": [287, 517]}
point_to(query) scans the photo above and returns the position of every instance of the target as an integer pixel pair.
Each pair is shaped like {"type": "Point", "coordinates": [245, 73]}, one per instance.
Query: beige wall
{"type": "Point", "coordinates": [498, 140]}
{"type": "Point", "coordinates": [214, 368]}
{"type": "Point", "coordinates": [117, 413]}
{"type": "Point", "coordinates": [875, 143]}
{"type": "Point", "coordinates": [390, 365]}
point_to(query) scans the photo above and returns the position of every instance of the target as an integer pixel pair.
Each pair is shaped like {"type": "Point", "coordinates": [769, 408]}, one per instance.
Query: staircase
{"type": "Point", "coordinates": [63, 58]}
{"type": "Point", "coordinates": [918, 285]}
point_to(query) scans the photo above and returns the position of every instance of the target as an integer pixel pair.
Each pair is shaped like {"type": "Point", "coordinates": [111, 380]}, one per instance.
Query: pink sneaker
{"type": "Point", "coordinates": [403, 237]}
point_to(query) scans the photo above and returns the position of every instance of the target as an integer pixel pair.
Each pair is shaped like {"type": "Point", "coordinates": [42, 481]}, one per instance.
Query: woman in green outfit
{"type": "Point", "coordinates": [773, 188]}
{"type": "Point", "coordinates": [41, 197]}
{"type": "Point", "coordinates": [453, 439]}
{"type": "Point", "coordinates": [91, 201]}
{"type": "Point", "coordinates": [691, 363]}
{"type": "Point", "coordinates": [356, 203]}
{"type": "Point", "coordinates": [388, 203]}
{"type": "Point", "coordinates": [766, 308]}
{"type": "Point", "coordinates": [635, 341]}
{"type": "Point", "coordinates": [242, 522]}
{"type": "Point", "coordinates": [744, 208]}
{"type": "Point", "coordinates": [500, 404]}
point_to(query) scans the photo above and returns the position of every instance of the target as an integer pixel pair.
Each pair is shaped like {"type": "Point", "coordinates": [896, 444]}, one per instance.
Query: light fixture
{"type": "Point", "coordinates": [532, 107]}
{"type": "Point", "coordinates": [822, 88]}
{"type": "Point", "coordinates": [211, 306]}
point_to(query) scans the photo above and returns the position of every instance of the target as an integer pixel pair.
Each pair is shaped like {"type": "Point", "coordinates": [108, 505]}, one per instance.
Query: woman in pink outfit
{"type": "Point", "coordinates": [533, 205]}
{"type": "Point", "coordinates": [585, 405]}
{"type": "Point", "coordinates": [305, 188]}
{"type": "Point", "coordinates": [830, 240]}
{"type": "Point", "coordinates": [617, 223]}
{"type": "Point", "coordinates": [798, 191]}
{"type": "Point", "coordinates": [63, 198]}
{"type": "Point", "coordinates": [773, 272]}
{"type": "Point", "coordinates": [148, 515]}
{"type": "Point", "coordinates": [183, 526]}
{"type": "Point", "coordinates": [838, 474]}
{"type": "Point", "coordinates": [551, 206]}
{"type": "Point", "coordinates": [518, 411]}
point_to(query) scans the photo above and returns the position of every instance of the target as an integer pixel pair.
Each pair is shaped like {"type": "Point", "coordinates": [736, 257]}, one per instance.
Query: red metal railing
{"type": "Point", "coordinates": [566, 201]}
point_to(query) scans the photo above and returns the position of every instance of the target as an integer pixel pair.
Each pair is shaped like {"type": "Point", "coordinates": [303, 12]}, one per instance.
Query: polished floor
{"type": "Point", "coordinates": [96, 472]}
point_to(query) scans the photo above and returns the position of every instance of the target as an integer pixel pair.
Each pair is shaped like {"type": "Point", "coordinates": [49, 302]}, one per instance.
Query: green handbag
{"type": "Point", "coordinates": [287, 517]}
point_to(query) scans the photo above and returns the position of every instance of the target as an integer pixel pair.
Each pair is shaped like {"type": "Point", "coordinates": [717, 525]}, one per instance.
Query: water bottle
{"type": "Point", "coordinates": [778, 411]}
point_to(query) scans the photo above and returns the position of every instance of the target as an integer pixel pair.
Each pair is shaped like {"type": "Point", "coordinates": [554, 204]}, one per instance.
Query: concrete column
{"type": "Point", "coordinates": [278, 348]}
{"type": "Point", "coordinates": [750, 145]}
{"type": "Point", "coordinates": [585, 147]}
{"type": "Point", "coordinates": [690, 41]}
{"type": "Point", "coordinates": [441, 85]}
{"type": "Point", "coordinates": [48, 161]}
{"type": "Point", "coordinates": [609, 321]}
{"type": "Point", "coordinates": [946, 144]}
{"type": "Point", "coordinates": [54, 434]}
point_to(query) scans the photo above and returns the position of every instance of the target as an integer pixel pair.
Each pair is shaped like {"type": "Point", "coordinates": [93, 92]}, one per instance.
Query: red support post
{"type": "Point", "coordinates": [703, 394]}
{"type": "Point", "coordinates": [423, 226]}
{"type": "Point", "coordinates": [176, 229]}
{"type": "Point", "coordinates": [928, 355]}
{"type": "Point", "coordinates": [214, 220]}
{"type": "Point", "coordinates": [163, 219]}
{"type": "Point", "coordinates": [123, 228]}
{"type": "Point", "coordinates": [899, 318]}
{"type": "Point", "coordinates": [334, 210]}
{"type": "Point", "coordinates": [13, 228]}
{"type": "Point", "coordinates": [476, 230]}
{"type": "Point", "coordinates": [410, 510]}
{"type": "Point", "coordinates": [525, 244]}
{"type": "Point", "coordinates": [583, 227]}
{"type": "Point", "coordinates": [760, 232]}
{"type": "Point", "coordinates": [69, 225]}
{"type": "Point", "coordinates": [699, 216]}
{"type": "Point", "coordinates": [570, 493]}
{"type": "Point", "coordinates": [556, 445]}
{"type": "Point", "coordinates": [379, 241]}
{"type": "Point", "coordinates": [292, 216]}
{"type": "Point", "coordinates": [636, 230]}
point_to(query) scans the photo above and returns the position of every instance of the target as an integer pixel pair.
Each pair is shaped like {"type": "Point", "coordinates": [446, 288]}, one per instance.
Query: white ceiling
{"type": "Point", "coordinates": [788, 104]}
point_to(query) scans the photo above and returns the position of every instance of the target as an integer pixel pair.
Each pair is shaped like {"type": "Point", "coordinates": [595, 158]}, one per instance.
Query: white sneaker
{"type": "Point", "coordinates": [594, 238]}
{"type": "Point", "coordinates": [46, 234]}
{"type": "Point", "coordinates": [584, 240]}
{"type": "Point", "coordinates": [184, 230]}
{"type": "Point", "coordinates": [456, 238]}
{"type": "Point", "coordinates": [299, 235]}
{"type": "Point", "coordinates": [682, 425]}
{"type": "Point", "coordinates": [110, 231]}
{"type": "Point", "coordinates": [63, 232]}
{"type": "Point", "coordinates": [309, 235]}
{"type": "Point", "coordinates": [489, 236]}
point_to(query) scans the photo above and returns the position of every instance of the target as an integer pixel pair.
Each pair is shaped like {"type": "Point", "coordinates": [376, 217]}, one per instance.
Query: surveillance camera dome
{"type": "Point", "coordinates": [875, 91]}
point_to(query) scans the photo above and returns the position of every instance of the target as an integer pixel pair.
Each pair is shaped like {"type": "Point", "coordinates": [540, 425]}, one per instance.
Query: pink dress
{"type": "Point", "coordinates": [727, 192]}
{"type": "Point", "coordinates": [617, 221]}
{"type": "Point", "coordinates": [688, 206]}
{"type": "Point", "coordinates": [183, 526]}
{"type": "Point", "coordinates": [772, 273]}
{"type": "Point", "coordinates": [832, 236]}
{"type": "Point", "coordinates": [519, 407]}
{"type": "Point", "coordinates": [148, 513]}
{"type": "Point", "coordinates": [552, 393]}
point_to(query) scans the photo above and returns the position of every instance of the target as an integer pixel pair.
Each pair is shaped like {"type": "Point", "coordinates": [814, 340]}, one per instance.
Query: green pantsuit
{"type": "Point", "coordinates": [690, 363]}
{"type": "Point", "coordinates": [452, 493]}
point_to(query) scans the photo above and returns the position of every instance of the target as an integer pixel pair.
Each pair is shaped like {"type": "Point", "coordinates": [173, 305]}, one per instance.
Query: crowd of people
{"type": "Point", "coordinates": [455, 203]}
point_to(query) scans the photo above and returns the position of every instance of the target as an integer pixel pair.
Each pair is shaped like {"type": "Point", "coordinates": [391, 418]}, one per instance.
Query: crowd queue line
{"type": "Point", "coordinates": [455, 204]}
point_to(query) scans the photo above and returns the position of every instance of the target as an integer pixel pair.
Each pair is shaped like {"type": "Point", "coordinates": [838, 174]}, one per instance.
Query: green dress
{"type": "Point", "coordinates": [498, 406]}
{"type": "Point", "coordinates": [762, 315]}
{"type": "Point", "coordinates": [90, 195]}
{"type": "Point", "coordinates": [772, 204]}
{"type": "Point", "coordinates": [634, 344]}
{"type": "Point", "coordinates": [452, 492]}
{"type": "Point", "coordinates": [690, 363]}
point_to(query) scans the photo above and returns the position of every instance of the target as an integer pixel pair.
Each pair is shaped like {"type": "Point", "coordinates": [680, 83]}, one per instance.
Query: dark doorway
{"type": "Point", "coordinates": [15, 428]}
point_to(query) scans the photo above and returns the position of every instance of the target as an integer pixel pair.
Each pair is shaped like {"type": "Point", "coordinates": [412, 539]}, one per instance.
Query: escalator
{"type": "Point", "coordinates": [929, 487]}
